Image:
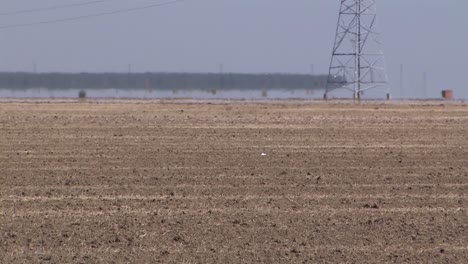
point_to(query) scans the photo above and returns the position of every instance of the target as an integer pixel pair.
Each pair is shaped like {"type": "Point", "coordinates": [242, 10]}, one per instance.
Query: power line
{"type": "Point", "coordinates": [50, 8]}
{"type": "Point", "coordinates": [67, 19]}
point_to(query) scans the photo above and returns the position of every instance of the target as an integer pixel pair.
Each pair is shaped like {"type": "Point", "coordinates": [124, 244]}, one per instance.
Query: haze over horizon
{"type": "Point", "coordinates": [242, 35]}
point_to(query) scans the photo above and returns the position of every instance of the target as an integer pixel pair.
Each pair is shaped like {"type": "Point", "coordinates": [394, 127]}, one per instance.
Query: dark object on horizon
{"type": "Point", "coordinates": [161, 81]}
{"type": "Point", "coordinates": [447, 94]}
{"type": "Point", "coordinates": [82, 94]}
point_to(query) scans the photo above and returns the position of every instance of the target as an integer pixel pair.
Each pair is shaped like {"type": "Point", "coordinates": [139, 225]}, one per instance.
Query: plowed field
{"type": "Point", "coordinates": [181, 182]}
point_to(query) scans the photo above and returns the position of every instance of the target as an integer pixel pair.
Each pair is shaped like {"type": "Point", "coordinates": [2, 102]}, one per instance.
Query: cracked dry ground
{"type": "Point", "coordinates": [180, 182]}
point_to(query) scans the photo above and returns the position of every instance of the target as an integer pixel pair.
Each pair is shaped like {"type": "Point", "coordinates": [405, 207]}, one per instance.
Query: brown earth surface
{"type": "Point", "coordinates": [184, 182]}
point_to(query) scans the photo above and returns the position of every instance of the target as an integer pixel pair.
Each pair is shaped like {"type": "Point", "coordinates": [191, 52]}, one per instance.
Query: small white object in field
{"type": "Point", "coordinates": [263, 154]}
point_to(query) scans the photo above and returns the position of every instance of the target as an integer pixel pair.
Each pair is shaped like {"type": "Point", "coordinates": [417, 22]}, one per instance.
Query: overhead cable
{"type": "Point", "coordinates": [67, 19]}
{"type": "Point", "coordinates": [51, 8]}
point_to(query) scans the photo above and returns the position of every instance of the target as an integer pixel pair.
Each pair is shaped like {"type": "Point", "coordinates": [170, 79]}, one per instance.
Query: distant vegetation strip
{"type": "Point", "coordinates": [161, 81]}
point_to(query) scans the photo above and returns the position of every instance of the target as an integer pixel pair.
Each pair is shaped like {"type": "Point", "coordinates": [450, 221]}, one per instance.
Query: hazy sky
{"type": "Point", "coordinates": [244, 35]}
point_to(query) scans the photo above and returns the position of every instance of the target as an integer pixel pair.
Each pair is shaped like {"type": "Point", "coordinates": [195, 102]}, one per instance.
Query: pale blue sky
{"type": "Point", "coordinates": [243, 35]}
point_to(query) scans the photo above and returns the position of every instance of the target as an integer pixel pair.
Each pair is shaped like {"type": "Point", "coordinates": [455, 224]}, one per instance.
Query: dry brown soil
{"type": "Point", "coordinates": [182, 182]}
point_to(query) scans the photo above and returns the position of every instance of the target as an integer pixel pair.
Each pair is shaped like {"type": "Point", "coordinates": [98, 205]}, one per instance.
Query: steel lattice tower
{"type": "Point", "coordinates": [358, 63]}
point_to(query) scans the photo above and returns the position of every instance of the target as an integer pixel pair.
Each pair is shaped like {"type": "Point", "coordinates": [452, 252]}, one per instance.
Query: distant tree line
{"type": "Point", "coordinates": [160, 81]}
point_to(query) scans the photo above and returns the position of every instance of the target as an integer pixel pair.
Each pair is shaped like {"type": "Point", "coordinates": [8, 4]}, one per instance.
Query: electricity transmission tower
{"type": "Point", "coordinates": [358, 63]}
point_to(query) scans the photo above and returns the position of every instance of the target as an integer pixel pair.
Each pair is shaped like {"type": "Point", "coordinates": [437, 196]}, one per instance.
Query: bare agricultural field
{"type": "Point", "coordinates": [183, 182]}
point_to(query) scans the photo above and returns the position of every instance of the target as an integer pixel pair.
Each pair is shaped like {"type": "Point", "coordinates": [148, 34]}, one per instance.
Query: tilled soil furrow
{"type": "Point", "coordinates": [183, 182]}
{"type": "Point", "coordinates": [176, 179]}
{"type": "Point", "coordinates": [311, 191]}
